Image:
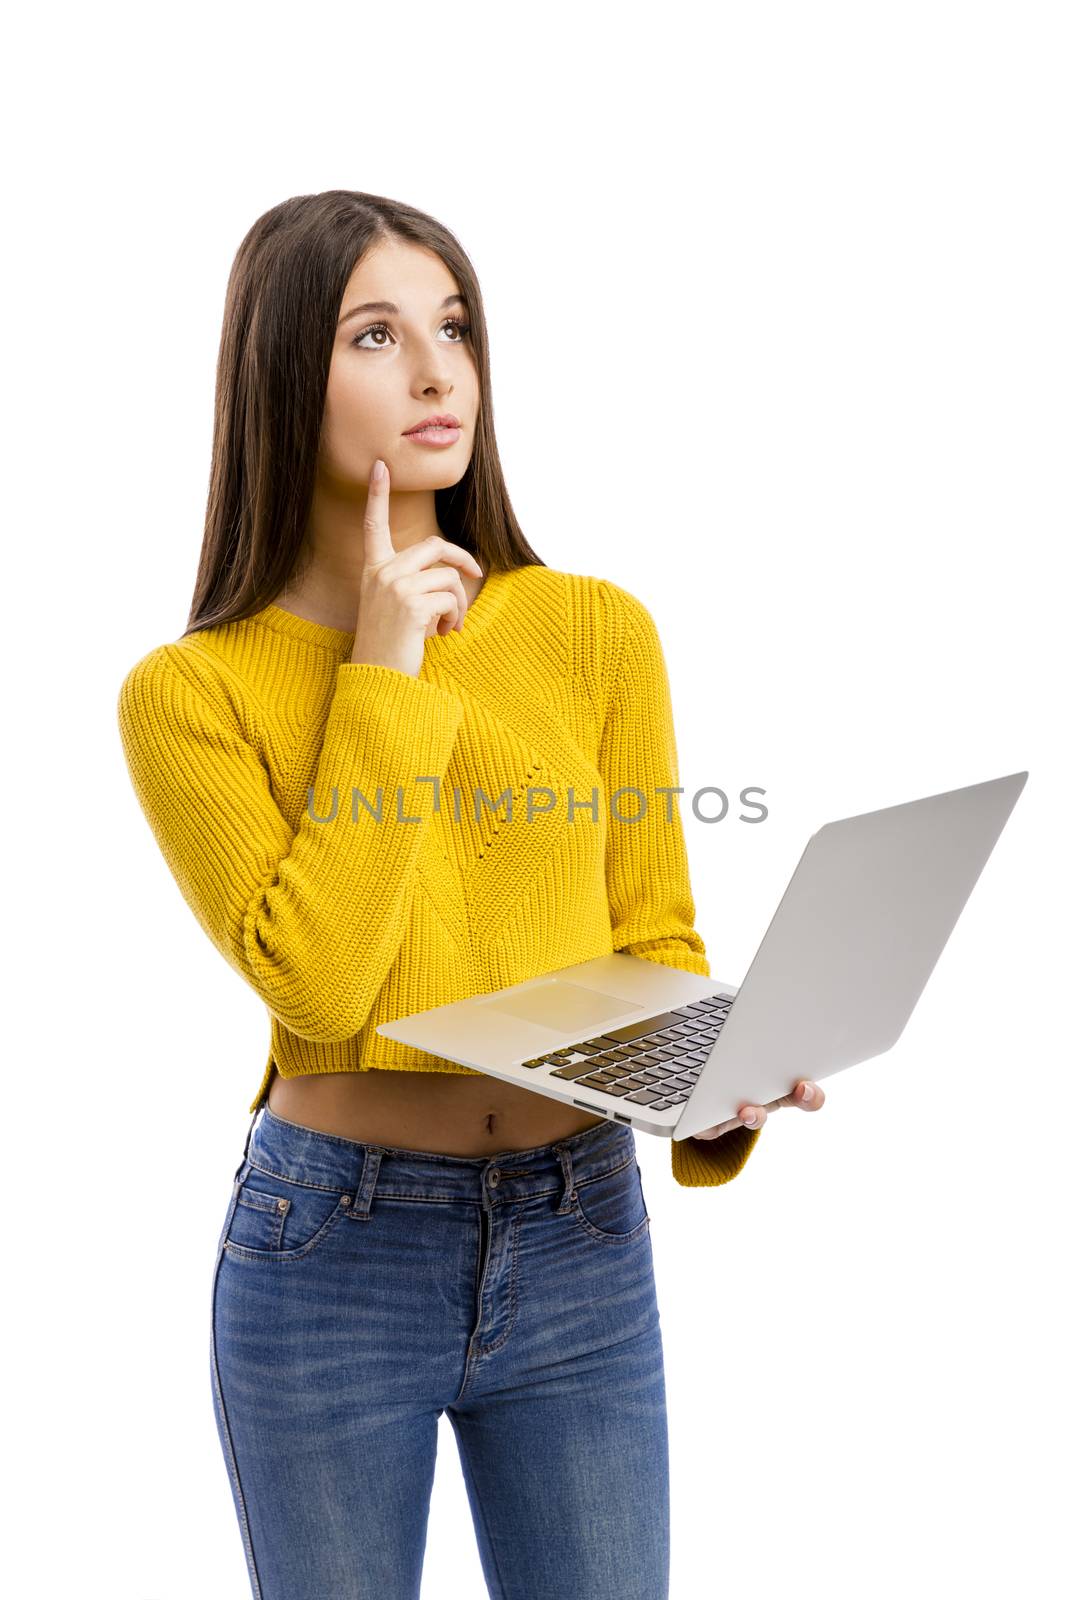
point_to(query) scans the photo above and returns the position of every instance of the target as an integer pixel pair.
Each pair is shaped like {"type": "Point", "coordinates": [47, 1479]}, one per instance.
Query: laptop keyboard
{"type": "Point", "coordinates": [651, 1063]}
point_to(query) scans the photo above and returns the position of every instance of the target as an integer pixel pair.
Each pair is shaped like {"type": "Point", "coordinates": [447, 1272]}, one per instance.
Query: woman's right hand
{"type": "Point", "coordinates": [405, 595]}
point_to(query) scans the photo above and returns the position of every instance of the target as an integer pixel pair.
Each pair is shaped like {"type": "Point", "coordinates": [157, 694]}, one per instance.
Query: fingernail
{"type": "Point", "coordinates": [750, 1122]}
{"type": "Point", "coordinates": [807, 1092]}
{"type": "Point", "coordinates": [377, 472]}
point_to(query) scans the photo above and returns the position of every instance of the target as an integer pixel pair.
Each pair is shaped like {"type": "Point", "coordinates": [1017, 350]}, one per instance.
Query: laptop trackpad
{"type": "Point", "coordinates": [566, 1006]}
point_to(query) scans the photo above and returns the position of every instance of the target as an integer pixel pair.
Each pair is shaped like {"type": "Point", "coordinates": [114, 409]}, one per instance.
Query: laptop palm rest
{"type": "Point", "coordinates": [568, 1007]}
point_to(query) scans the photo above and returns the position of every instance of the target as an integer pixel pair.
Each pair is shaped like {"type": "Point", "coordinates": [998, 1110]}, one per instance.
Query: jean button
{"type": "Point", "coordinates": [494, 1178]}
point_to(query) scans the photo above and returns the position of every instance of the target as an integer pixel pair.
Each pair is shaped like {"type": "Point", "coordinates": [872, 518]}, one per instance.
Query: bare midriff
{"type": "Point", "coordinates": [452, 1114]}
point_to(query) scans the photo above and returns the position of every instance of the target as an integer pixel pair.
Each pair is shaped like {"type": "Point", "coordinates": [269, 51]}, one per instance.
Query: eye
{"type": "Point", "coordinates": [383, 327]}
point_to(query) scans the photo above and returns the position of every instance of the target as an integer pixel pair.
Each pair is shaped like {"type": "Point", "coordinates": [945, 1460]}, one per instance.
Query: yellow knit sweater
{"type": "Point", "coordinates": [237, 738]}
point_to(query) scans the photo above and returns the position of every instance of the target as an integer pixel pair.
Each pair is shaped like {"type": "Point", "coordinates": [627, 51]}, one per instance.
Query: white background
{"type": "Point", "coordinates": [776, 314]}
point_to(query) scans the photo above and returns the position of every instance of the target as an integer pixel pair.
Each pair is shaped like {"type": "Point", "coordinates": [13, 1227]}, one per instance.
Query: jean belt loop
{"type": "Point", "coordinates": [256, 1117]}
{"type": "Point", "coordinates": [372, 1160]}
{"type": "Point", "coordinates": [570, 1193]}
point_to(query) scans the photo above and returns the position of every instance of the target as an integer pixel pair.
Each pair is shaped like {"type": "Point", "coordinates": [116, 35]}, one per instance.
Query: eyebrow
{"type": "Point", "coordinates": [387, 305]}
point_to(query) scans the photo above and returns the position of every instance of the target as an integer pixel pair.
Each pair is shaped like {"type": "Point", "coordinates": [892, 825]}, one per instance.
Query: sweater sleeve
{"type": "Point", "coordinates": [311, 917]}
{"type": "Point", "coordinates": [649, 891]}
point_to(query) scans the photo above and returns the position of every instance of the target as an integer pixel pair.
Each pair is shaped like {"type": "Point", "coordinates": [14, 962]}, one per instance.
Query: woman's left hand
{"type": "Point", "coordinates": [806, 1095]}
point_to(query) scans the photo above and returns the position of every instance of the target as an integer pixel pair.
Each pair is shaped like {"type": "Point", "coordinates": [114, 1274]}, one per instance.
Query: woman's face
{"type": "Point", "coordinates": [393, 368]}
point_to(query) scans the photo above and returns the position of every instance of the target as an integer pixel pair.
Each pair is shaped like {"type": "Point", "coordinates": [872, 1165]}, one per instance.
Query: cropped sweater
{"type": "Point", "coordinates": [360, 844]}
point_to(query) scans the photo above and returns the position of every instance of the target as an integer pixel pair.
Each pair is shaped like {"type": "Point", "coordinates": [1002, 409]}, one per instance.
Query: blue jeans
{"type": "Point", "coordinates": [359, 1291]}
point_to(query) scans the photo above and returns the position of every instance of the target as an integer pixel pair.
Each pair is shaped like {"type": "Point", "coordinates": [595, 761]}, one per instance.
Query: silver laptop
{"type": "Point", "coordinates": [856, 935]}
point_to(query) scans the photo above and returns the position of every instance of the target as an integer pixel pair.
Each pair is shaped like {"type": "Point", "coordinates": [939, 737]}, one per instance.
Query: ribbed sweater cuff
{"type": "Point", "coordinates": [706, 1163]}
{"type": "Point", "coordinates": [392, 712]}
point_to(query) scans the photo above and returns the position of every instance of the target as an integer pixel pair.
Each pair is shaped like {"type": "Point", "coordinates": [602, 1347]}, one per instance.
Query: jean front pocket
{"type": "Point", "coordinates": [282, 1218]}
{"type": "Point", "coordinates": [612, 1207]}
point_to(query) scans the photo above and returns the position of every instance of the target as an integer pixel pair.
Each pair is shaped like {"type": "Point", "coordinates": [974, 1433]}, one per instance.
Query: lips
{"type": "Point", "coordinates": [442, 419]}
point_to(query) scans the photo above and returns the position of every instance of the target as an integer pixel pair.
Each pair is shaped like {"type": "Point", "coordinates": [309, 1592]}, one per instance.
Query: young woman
{"type": "Point", "coordinates": [406, 1236]}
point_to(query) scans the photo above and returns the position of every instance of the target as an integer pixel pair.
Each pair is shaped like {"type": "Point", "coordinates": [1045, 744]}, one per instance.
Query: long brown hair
{"type": "Point", "coordinates": [278, 331]}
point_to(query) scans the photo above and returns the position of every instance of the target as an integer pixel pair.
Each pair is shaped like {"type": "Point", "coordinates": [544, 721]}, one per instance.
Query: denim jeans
{"type": "Point", "coordinates": [359, 1291]}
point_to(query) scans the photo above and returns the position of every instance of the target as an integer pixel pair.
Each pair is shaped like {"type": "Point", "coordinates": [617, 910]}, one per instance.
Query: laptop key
{"type": "Point", "coordinates": [635, 1030]}
{"type": "Point", "coordinates": [645, 1097]}
{"type": "Point", "coordinates": [574, 1071]}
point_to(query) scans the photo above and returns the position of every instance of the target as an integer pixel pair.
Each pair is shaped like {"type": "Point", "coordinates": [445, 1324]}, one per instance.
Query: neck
{"type": "Point", "coordinates": [325, 584]}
